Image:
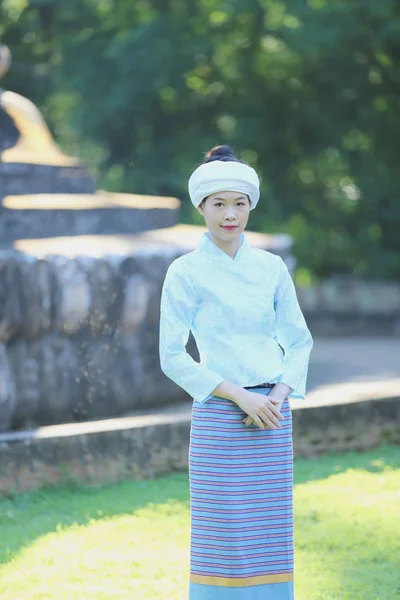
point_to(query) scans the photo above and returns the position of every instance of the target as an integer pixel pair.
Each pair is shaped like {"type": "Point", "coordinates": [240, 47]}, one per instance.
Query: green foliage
{"type": "Point", "coordinates": [306, 92]}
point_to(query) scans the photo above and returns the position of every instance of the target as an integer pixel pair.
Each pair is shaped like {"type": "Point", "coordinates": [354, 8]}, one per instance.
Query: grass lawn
{"type": "Point", "coordinates": [131, 540]}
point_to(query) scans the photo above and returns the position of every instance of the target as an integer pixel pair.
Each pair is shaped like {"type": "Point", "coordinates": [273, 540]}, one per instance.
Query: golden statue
{"type": "Point", "coordinates": [24, 135]}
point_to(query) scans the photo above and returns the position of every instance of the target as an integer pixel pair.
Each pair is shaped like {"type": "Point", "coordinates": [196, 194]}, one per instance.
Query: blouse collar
{"type": "Point", "coordinates": [208, 247]}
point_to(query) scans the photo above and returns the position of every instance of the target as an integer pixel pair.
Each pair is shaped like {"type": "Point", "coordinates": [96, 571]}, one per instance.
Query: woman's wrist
{"type": "Point", "coordinates": [280, 391]}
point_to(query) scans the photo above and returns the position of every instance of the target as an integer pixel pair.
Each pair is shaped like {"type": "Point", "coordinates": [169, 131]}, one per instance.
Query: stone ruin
{"type": "Point", "coordinates": [81, 272]}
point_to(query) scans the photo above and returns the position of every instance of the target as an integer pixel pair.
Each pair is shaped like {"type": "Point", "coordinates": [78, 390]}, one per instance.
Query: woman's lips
{"type": "Point", "coordinates": [229, 228]}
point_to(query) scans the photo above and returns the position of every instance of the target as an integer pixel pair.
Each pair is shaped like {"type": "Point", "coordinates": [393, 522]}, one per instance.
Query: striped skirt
{"type": "Point", "coordinates": [241, 505]}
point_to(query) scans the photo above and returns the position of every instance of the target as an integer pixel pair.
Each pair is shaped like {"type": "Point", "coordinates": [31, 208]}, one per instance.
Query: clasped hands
{"type": "Point", "coordinates": [268, 419]}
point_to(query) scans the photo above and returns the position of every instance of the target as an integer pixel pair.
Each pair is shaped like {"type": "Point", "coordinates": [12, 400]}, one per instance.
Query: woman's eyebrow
{"type": "Point", "coordinates": [238, 198]}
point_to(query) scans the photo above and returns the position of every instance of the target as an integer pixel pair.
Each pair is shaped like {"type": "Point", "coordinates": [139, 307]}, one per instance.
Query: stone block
{"type": "Point", "coordinates": [7, 391]}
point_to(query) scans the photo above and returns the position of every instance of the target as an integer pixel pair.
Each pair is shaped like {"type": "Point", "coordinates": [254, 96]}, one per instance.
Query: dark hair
{"type": "Point", "coordinates": [223, 153]}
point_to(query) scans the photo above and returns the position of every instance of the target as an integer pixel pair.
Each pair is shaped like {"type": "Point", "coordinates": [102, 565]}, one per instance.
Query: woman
{"type": "Point", "coordinates": [254, 346]}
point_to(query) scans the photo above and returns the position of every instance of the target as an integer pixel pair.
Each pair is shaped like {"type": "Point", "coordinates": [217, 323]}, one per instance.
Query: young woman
{"type": "Point", "coordinates": [254, 345]}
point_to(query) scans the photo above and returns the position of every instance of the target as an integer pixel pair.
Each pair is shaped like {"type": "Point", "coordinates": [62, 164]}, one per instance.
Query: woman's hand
{"type": "Point", "coordinates": [277, 395]}
{"type": "Point", "coordinates": [262, 409]}
{"type": "Point", "coordinates": [249, 421]}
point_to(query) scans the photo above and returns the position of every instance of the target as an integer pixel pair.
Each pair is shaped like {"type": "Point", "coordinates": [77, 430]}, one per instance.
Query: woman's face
{"type": "Point", "coordinates": [225, 208]}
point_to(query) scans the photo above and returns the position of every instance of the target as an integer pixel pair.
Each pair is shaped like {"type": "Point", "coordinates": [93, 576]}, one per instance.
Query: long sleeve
{"type": "Point", "coordinates": [178, 303]}
{"type": "Point", "coordinates": [293, 335]}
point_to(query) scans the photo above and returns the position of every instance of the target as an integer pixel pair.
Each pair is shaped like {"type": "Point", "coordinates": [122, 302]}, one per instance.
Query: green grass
{"type": "Point", "coordinates": [131, 540]}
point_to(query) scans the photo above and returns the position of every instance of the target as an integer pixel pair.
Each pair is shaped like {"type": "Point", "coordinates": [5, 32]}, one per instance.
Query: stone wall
{"type": "Point", "coordinates": [146, 446]}
{"type": "Point", "coordinates": [79, 337]}
{"type": "Point", "coordinates": [344, 305]}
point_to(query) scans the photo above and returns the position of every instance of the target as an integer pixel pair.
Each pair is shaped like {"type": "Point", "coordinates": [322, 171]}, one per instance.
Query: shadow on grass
{"type": "Point", "coordinates": [28, 516]}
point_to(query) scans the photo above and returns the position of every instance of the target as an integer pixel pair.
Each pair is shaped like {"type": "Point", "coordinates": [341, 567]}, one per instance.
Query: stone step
{"type": "Point", "coordinates": [29, 179]}
{"type": "Point", "coordinates": [167, 239]}
{"type": "Point", "coordinates": [50, 215]}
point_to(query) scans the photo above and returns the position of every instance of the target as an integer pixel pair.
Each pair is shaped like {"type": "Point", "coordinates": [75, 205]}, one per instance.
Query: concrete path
{"type": "Point", "coordinates": [351, 369]}
{"type": "Point", "coordinates": [353, 359]}
{"type": "Point", "coordinates": [343, 370]}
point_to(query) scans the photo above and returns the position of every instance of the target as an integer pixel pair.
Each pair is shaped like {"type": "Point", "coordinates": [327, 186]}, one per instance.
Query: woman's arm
{"type": "Point", "coordinates": [293, 336]}
{"type": "Point", "coordinates": [295, 339]}
{"type": "Point", "coordinates": [280, 391]}
{"type": "Point", "coordinates": [177, 308]}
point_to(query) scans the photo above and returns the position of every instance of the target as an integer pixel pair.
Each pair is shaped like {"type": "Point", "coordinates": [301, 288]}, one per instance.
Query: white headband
{"type": "Point", "coordinates": [219, 176]}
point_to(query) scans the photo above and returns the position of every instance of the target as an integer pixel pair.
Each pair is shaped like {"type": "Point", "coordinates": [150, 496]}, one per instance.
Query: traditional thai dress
{"type": "Point", "coordinates": [249, 329]}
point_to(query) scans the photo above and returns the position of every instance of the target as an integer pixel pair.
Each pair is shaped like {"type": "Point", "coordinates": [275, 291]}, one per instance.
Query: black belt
{"type": "Point", "coordinates": [264, 385]}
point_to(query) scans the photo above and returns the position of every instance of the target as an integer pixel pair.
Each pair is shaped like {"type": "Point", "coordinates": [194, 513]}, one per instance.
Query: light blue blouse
{"type": "Point", "coordinates": [245, 318]}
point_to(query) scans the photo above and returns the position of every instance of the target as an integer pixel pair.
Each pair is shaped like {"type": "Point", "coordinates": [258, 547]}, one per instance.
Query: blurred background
{"type": "Point", "coordinates": [107, 107]}
{"type": "Point", "coordinates": [306, 92]}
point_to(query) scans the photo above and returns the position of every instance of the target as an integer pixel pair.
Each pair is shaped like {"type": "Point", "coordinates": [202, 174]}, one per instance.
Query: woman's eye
{"type": "Point", "coordinates": [220, 203]}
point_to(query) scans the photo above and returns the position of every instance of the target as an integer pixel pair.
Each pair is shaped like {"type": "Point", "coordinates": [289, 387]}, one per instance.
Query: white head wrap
{"type": "Point", "coordinates": [220, 176]}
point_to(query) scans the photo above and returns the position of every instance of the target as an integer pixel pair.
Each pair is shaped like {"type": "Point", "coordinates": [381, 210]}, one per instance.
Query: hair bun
{"type": "Point", "coordinates": [223, 153]}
